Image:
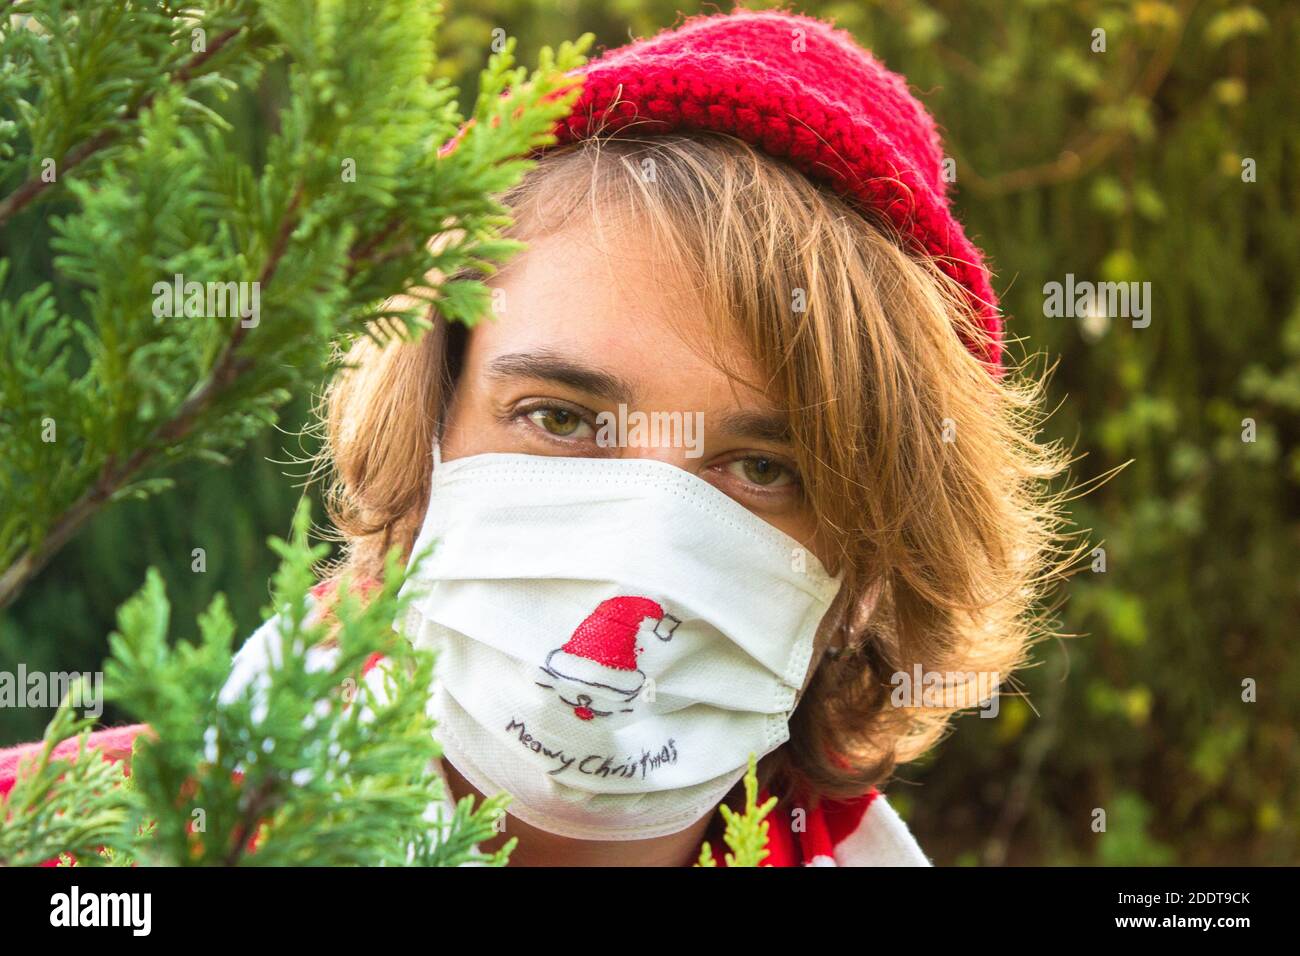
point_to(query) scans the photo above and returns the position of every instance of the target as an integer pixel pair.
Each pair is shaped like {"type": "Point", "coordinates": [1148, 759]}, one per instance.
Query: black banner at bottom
{"type": "Point", "coordinates": [303, 906]}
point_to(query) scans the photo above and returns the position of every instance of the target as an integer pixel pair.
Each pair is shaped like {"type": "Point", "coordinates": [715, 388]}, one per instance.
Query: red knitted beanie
{"type": "Point", "coordinates": [806, 93]}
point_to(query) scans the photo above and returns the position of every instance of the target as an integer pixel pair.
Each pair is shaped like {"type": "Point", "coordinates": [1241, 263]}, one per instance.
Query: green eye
{"type": "Point", "coordinates": [764, 472]}
{"type": "Point", "coordinates": [557, 421]}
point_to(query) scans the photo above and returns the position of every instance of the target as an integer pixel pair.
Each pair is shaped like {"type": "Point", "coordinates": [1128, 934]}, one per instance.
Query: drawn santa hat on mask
{"type": "Point", "coordinates": [602, 653]}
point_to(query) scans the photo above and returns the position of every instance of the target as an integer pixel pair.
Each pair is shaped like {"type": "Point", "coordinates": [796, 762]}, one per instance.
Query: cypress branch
{"type": "Point", "coordinates": [312, 763]}
{"type": "Point", "coordinates": [325, 250]}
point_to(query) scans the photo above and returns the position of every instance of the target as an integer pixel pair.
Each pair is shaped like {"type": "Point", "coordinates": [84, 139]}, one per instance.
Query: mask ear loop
{"type": "Point", "coordinates": [439, 470]}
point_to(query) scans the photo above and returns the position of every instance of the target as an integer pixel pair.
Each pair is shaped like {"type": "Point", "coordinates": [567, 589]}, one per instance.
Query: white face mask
{"type": "Point", "coordinates": [614, 637]}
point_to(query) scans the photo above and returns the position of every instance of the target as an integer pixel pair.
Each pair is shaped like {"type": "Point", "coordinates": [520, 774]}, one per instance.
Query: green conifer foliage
{"type": "Point", "coordinates": [315, 763]}
{"type": "Point", "coordinates": [194, 292]}
{"type": "Point", "coordinates": [108, 376]}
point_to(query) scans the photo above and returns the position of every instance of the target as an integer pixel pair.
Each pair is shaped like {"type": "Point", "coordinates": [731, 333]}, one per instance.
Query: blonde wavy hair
{"type": "Point", "coordinates": [931, 490]}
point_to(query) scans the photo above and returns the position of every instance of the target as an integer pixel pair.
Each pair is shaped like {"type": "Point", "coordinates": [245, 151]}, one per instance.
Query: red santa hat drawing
{"type": "Point", "coordinates": [602, 653]}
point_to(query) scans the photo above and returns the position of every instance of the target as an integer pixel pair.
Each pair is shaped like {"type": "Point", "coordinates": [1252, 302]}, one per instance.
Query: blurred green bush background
{"type": "Point", "coordinates": [1125, 165]}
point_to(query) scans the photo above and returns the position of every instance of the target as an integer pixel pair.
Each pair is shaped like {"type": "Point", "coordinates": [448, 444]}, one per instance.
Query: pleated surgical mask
{"type": "Point", "coordinates": [614, 637]}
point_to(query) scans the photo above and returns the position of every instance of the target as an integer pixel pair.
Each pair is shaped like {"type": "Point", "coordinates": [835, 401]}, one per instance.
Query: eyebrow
{"type": "Point", "coordinates": [552, 367]}
{"type": "Point", "coordinates": [549, 366]}
{"type": "Point", "coordinates": [765, 426]}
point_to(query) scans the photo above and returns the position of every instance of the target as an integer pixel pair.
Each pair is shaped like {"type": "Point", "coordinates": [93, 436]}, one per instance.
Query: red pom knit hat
{"type": "Point", "coordinates": [806, 93]}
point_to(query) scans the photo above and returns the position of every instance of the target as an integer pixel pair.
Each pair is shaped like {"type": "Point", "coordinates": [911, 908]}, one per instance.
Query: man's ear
{"type": "Point", "coordinates": [856, 618]}
{"type": "Point", "coordinates": [866, 606]}
{"type": "Point", "coordinates": [843, 617]}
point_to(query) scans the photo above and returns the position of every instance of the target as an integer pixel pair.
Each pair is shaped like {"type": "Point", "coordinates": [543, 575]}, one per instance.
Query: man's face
{"type": "Point", "coordinates": [584, 325]}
